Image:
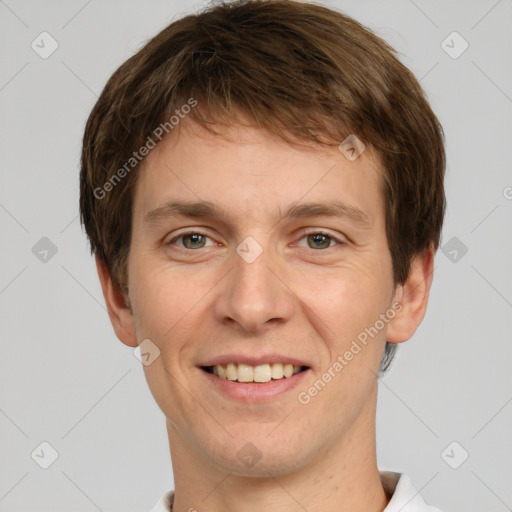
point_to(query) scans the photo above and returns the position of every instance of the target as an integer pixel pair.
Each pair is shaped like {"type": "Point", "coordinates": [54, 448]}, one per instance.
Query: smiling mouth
{"type": "Point", "coordinates": [260, 374]}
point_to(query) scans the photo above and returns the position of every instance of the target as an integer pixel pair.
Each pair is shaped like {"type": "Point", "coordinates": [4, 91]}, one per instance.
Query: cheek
{"type": "Point", "coordinates": [170, 304]}
{"type": "Point", "coordinates": [159, 298]}
{"type": "Point", "coordinates": [343, 302]}
{"type": "Point", "coordinates": [167, 306]}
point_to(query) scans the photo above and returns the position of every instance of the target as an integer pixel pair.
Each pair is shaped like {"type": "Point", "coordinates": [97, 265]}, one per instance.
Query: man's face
{"type": "Point", "coordinates": [269, 279]}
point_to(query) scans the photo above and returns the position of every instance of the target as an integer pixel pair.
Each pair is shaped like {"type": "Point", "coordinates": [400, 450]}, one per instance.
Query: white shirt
{"type": "Point", "coordinates": [404, 498]}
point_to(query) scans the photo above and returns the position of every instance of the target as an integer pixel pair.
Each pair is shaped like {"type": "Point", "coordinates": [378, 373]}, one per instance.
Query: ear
{"type": "Point", "coordinates": [119, 312]}
{"type": "Point", "coordinates": [413, 297]}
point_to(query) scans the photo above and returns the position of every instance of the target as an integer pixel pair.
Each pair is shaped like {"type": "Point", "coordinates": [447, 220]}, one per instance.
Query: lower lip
{"type": "Point", "coordinates": [254, 392]}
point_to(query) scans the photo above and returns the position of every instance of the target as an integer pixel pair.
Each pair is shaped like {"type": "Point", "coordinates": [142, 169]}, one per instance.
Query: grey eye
{"type": "Point", "coordinates": [194, 241]}
{"type": "Point", "coordinates": [319, 241]}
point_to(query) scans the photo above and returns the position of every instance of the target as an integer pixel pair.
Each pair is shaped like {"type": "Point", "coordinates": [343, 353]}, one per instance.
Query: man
{"type": "Point", "coordinates": [262, 187]}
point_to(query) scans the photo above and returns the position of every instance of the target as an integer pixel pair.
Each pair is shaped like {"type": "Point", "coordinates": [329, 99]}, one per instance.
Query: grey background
{"type": "Point", "coordinates": [66, 380]}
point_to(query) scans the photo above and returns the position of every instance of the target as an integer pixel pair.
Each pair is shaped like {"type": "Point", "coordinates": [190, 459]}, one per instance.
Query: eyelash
{"type": "Point", "coordinates": [304, 235]}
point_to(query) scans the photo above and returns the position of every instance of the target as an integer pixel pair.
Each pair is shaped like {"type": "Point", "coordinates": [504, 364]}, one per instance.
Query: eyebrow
{"type": "Point", "coordinates": [206, 209]}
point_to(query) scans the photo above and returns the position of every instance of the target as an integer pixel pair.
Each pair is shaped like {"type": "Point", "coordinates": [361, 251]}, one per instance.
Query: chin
{"type": "Point", "coordinates": [262, 456]}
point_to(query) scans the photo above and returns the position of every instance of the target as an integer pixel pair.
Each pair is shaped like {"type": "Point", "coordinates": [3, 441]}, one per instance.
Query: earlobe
{"type": "Point", "coordinates": [119, 311]}
{"type": "Point", "coordinates": [413, 297]}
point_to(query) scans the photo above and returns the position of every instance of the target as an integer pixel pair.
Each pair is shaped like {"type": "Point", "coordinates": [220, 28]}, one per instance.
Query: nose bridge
{"type": "Point", "coordinates": [253, 295]}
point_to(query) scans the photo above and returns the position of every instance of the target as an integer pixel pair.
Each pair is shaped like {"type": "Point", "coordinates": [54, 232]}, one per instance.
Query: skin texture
{"type": "Point", "coordinates": [294, 300]}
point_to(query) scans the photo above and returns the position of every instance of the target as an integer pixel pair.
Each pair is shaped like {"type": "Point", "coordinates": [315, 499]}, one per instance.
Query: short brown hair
{"type": "Point", "coordinates": [298, 70]}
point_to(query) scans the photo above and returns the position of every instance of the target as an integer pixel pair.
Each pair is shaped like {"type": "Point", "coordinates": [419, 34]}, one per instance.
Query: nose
{"type": "Point", "coordinates": [254, 296]}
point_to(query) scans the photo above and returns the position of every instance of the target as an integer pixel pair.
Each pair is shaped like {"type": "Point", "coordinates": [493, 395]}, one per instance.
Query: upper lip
{"type": "Point", "coordinates": [253, 360]}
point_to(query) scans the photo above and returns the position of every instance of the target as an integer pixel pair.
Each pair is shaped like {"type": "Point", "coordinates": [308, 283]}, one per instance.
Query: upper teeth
{"type": "Point", "coordinates": [260, 373]}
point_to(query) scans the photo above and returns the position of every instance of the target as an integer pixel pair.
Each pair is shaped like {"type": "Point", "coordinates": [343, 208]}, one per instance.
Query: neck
{"type": "Point", "coordinates": [342, 478]}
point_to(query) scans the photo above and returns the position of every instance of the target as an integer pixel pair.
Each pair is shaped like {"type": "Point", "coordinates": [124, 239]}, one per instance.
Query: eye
{"type": "Point", "coordinates": [191, 240]}
{"type": "Point", "coordinates": [320, 240]}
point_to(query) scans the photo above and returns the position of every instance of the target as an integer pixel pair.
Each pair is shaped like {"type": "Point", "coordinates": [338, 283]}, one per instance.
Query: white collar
{"type": "Point", "coordinates": [404, 498]}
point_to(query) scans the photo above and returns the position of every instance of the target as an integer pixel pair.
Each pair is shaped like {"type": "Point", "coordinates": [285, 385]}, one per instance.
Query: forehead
{"type": "Point", "coordinates": [251, 172]}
